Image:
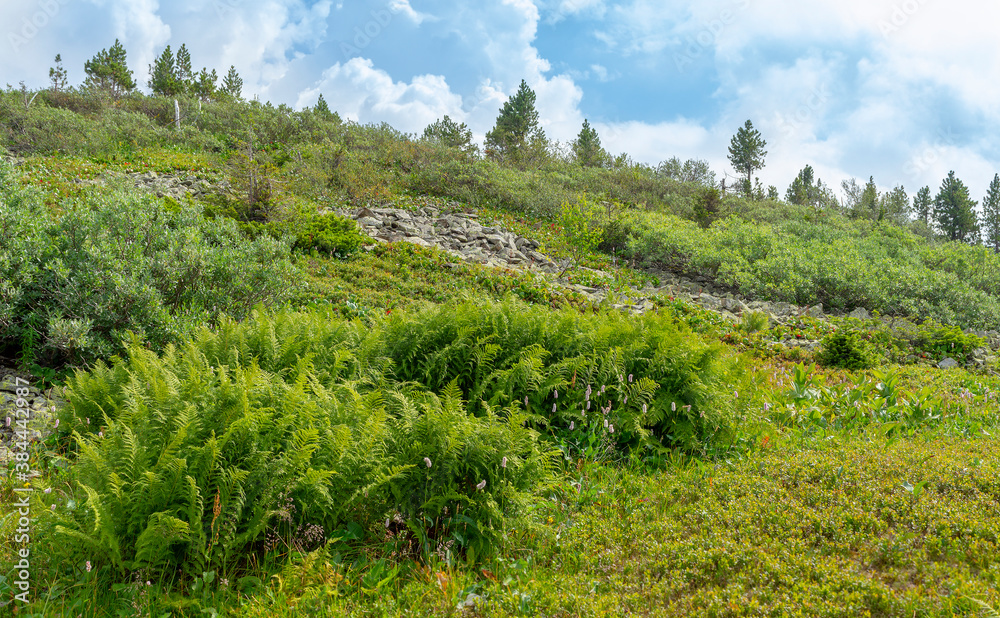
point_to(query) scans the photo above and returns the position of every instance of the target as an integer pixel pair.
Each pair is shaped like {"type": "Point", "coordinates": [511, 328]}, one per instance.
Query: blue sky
{"type": "Point", "coordinates": [902, 90]}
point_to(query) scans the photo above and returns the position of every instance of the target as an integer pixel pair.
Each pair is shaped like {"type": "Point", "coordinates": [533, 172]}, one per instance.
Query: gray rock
{"type": "Point", "coordinates": [860, 313]}
{"type": "Point", "coordinates": [815, 312]}
{"type": "Point", "coordinates": [948, 363]}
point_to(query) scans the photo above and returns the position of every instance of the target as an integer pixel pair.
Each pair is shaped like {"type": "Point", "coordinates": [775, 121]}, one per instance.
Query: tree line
{"type": "Point", "coordinates": [518, 139]}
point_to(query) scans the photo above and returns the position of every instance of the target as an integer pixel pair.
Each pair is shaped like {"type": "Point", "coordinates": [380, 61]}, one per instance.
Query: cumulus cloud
{"type": "Point", "coordinates": [363, 93]}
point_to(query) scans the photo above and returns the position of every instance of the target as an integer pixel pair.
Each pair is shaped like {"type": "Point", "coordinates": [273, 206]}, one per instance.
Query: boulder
{"type": "Point", "coordinates": [860, 313]}
{"type": "Point", "coordinates": [948, 363]}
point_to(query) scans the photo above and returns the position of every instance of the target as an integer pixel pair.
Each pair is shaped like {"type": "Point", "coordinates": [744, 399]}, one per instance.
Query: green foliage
{"type": "Point", "coordinates": [581, 228]}
{"type": "Point", "coordinates": [517, 137]}
{"type": "Point", "coordinates": [163, 78]}
{"type": "Point", "coordinates": [706, 206]}
{"type": "Point", "coordinates": [791, 254]}
{"type": "Point", "coordinates": [328, 233]}
{"type": "Point", "coordinates": [450, 134]}
{"type": "Point", "coordinates": [754, 321]}
{"type": "Point", "coordinates": [954, 212]}
{"type": "Point", "coordinates": [278, 425]}
{"type": "Point", "coordinates": [123, 261]}
{"type": "Point", "coordinates": [232, 84]}
{"type": "Point", "coordinates": [847, 350]}
{"type": "Point", "coordinates": [922, 204]}
{"type": "Point", "coordinates": [691, 171]}
{"type": "Point", "coordinates": [746, 153]}
{"type": "Point", "coordinates": [587, 148]}
{"type": "Point", "coordinates": [653, 377]}
{"type": "Point", "coordinates": [108, 71]}
{"type": "Point", "coordinates": [991, 215]}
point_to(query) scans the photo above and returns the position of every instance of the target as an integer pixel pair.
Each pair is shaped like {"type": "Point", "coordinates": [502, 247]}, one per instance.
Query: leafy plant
{"type": "Point", "coordinates": [847, 350]}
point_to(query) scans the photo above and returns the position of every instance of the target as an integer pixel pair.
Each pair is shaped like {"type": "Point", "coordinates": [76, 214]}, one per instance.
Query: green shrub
{"type": "Point", "coordinates": [124, 262]}
{"type": "Point", "coordinates": [328, 233]}
{"type": "Point", "coordinates": [846, 349]}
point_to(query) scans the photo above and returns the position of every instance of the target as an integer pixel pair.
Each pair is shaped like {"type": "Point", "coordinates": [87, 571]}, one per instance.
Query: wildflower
{"type": "Point", "coordinates": [525, 401]}
{"type": "Point", "coordinates": [56, 426]}
{"type": "Point", "coordinates": [673, 406]}
{"type": "Point", "coordinates": [53, 507]}
{"type": "Point", "coordinates": [88, 420]}
{"type": "Point", "coordinates": [736, 394]}
{"type": "Point", "coordinates": [603, 386]}
{"type": "Point", "coordinates": [611, 428]}
{"type": "Point", "coordinates": [588, 404]}
{"type": "Point", "coordinates": [427, 460]}
{"type": "Point", "coordinates": [100, 434]}
{"type": "Point", "coordinates": [572, 425]}
{"type": "Point", "coordinates": [767, 406]}
{"type": "Point", "coordinates": [88, 566]}
{"type": "Point", "coordinates": [555, 394]}
{"type": "Point", "coordinates": [503, 462]}
{"type": "Point", "coordinates": [481, 485]}
{"type": "Point", "coordinates": [605, 423]}
{"type": "Point", "coordinates": [224, 582]}
{"type": "Point", "coordinates": [625, 401]}
{"type": "Point", "coordinates": [48, 490]}
{"type": "Point", "coordinates": [553, 408]}
{"type": "Point", "coordinates": [630, 378]}
{"type": "Point", "coordinates": [643, 408]}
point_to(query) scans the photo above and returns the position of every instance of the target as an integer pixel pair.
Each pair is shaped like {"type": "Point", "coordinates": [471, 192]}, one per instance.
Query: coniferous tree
{"type": "Point", "coordinates": [517, 134]}
{"type": "Point", "coordinates": [203, 86]}
{"type": "Point", "coordinates": [746, 153]}
{"type": "Point", "coordinates": [163, 78]}
{"type": "Point", "coordinates": [991, 215]}
{"type": "Point", "coordinates": [587, 147]}
{"type": "Point", "coordinates": [894, 206]}
{"type": "Point", "coordinates": [867, 204]}
{"type": "Point", "coordinates": [322, 109]}
{"type": "Point", "coordinates": [805, 190]}
{"type": "Point", "coordinates": [57, 75]}
{"type": "Point", "coordinates": [954, 211]}
{"type": "Point", "coordinates": [183, 69]}
{"type": "Point", "coordinates": [447, 132]}
{"type": "Point", "coordinates": [922, 203]}
{"type": "Point", "coordinates": [232, 84]}
{"type": "Point", "coordinates": [108, 71]}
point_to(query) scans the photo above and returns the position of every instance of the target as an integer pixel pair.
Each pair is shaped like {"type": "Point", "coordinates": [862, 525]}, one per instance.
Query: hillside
{"type": "Point", "coordinates": [280, 363]}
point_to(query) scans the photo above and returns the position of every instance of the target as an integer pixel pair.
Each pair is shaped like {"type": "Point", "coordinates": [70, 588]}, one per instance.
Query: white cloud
{"type": "Point", "coordinates": [360, 92]}
{"type": "Point", "coordinates": [403, 6]}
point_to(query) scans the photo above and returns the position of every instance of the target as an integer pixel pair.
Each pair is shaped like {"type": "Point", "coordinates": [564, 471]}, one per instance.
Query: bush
{"type": "Point", "coordinates": [847, 350]}
{"type": "Point", "coordinates": [124, 262]}
{"type": "Point", "coordinates": [328, 233]}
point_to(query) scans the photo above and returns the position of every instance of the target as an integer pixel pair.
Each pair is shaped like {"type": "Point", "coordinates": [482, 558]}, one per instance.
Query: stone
{"type": "Point", "coordinates": [860, 313]}
{"type": "Point", "coordinates": [947, 363]}
{"type": "Point", "coordinates": [815, 312]}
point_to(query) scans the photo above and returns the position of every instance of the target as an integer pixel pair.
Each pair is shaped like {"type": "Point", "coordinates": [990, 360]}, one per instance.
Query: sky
{"type": "Point", "coordinates": [903, 91]}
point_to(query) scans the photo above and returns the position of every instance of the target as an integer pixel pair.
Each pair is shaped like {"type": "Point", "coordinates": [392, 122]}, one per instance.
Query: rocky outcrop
{"type": "Point", "coordinates": [458, 233]}
{"type": "Point", "coordinates": [42, 415]}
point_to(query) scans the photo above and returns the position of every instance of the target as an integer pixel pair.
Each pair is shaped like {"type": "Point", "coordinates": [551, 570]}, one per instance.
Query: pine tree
{"type": "Point", "coordinates": [57, 75]}
{"type": "Point", "coordinates": [203, 86]}
{"type": "Point", "coordinates": [991, 215]}
{"type": "Point", "coordinates": [746, 153]}
{"type": "Point", "coordinates": [232, 84]}
{"type": "Point", "coordinates": [183, 69]}
{"type": "Point", "coordinates": [163, 78]}
{"type": "Point", "coordinates": [447, 132]}
{"type": "Point", "coordinates": [922, 203]}
{"type": "Point", "coordinates": [108, 71]}
{"type": "Point", "coordinates": [587, 147]}
{"type": "Point", "coordinates": [516, 135]}
{"type": "Point", "coordinates": [867, 205]}
{"type": "Point", "coordinates": [954, 212]}
{"type": "Point", "coordinates": [894, 206]}
{"type": "Point", "coordinates": [322, 109]}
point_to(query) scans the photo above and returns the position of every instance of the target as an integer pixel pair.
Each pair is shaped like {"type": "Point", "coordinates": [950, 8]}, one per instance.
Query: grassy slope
{"type": "Point", "coordinates": [841, 523]}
